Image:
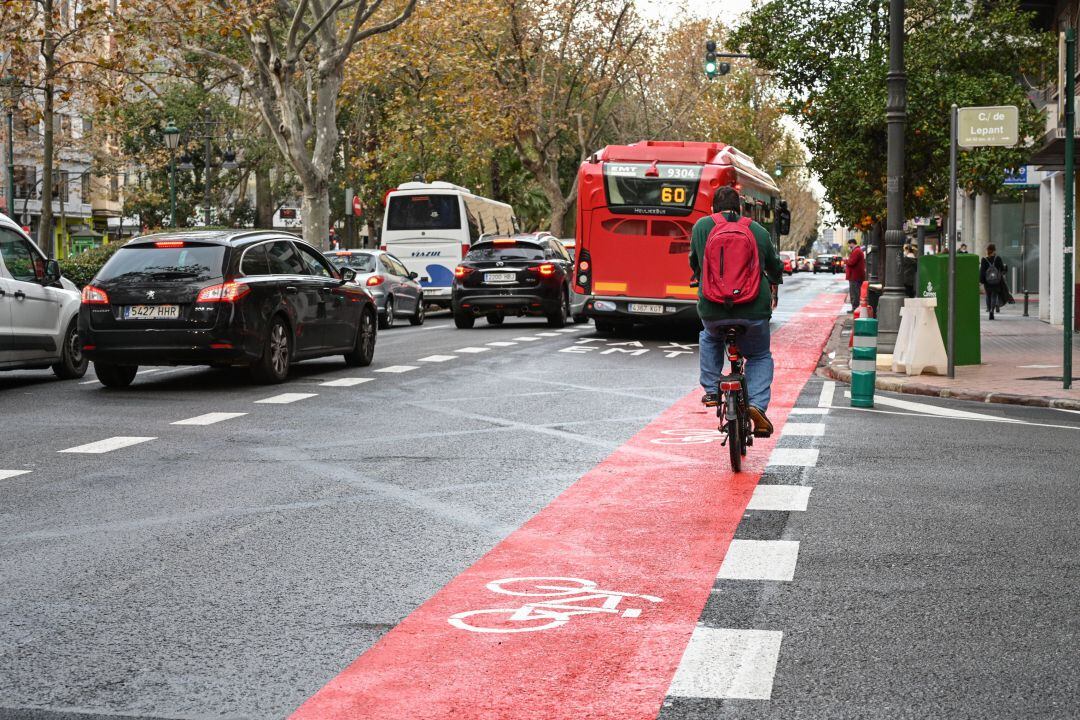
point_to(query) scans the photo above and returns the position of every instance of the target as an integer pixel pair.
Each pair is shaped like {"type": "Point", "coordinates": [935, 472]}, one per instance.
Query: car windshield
{"type": "Point", "coordinates": [147, 262]}
{"type": "Point", "coordinates": [360, 262]}
{"type": "Point", "coordinates": [505, 251]}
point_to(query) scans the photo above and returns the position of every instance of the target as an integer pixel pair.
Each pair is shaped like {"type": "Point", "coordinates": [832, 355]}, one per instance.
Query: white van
{"type": "Point", "coordinates": [430, 227]}
{"type": "Point", "coordinates": [39, 309]}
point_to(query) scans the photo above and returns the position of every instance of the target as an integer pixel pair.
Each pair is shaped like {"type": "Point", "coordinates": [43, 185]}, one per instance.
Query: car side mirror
{"type": "Point", "coordinates": [414, 275]}
{"type": "Point", "coordinates": [347, 275]}
{"type": "Point", "coordinates": [52, 272]}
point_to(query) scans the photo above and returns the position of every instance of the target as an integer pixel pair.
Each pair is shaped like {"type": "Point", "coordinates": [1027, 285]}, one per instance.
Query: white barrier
{"type": "Point", "coordinates": [919, 347]}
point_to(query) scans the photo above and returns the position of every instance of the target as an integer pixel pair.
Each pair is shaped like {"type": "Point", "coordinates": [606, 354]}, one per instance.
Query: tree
{"type": "Point", "coordinates": [830, 58]}
{"type": "Point", "coordinates": [291, 60]}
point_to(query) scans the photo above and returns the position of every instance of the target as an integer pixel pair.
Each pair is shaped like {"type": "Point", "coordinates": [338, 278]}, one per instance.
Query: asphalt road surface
{"type": "Point", "coordinates": [368, 543]}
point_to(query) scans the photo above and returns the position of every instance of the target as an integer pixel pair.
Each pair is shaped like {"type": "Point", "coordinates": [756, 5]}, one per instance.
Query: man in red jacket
{"type": "Point", "coordinates": [855, 272]}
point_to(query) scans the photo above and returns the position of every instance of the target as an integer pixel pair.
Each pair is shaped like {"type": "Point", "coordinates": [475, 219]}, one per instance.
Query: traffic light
{"type": "Point", "coordinates": [711, 65]}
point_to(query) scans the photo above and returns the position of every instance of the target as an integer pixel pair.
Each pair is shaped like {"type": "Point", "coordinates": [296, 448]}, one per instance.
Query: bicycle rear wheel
{"type": "Point", "coordinates": [735, 443]}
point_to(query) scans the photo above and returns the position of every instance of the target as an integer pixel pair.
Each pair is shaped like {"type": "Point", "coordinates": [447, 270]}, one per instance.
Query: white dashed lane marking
{"type": "Point", "coordinates": [760, 560]}
{"type": "Point", "coordinates": [209, 418]}
{"type": "Point", "coordinates": [108, 445]}
{"type": "Point", "coordinates": [809, 411]}
{"type": "Point", "coordinates": [397, 369]}
{"type": "Point", "coordinates": [568, 330]}
{"type": "Point", "coordinates": [728, 664]}
{"type": "Point", "coordinates": [803, 429]}
{"type": "Point", "coordinates": [5, 474]}
{"type": "Point", "coordinates": [828, 389]}
{"type": "Point", "coordinates": [345, 382]}
{"type": "Point", "coordinates": [527, 338]}
{"type": "Point", "coordinates": [437, 358]}
{"type": "Point", "coordinates": [783, 498]}
{"type": "Point", "coordinates": [800, 457]}
{"type": "Point", "coordinates": [285, 398]}
{"type": "Point", "coordinates": [472, 350]}
{"type": "Point", "coordinates": [547, 334]}
{"type": "Point", "coordinates": [501, 343]}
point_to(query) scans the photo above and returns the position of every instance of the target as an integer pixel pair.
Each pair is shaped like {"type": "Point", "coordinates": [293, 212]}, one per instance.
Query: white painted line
{"type": "Point", "coordinates": [760, 560]}
{"type": "Point", "coordinates": [568, 330]}
{"type": "Point", "coordinates": [147, 372]}
{"type": "Point", "coordinates": [500, 343]}
{"type": "Point", "coordinates": [397, 369]}
{"type": "Point", "coordinates": [108, 445]}
{"type": "Point", "coordinates": [5, 474]}
{"type": "Point", "coordinates": [527, 338]}
{"type": "Point", "coordinates": [285, 398]}
{"type": "Point", "coordinates": [803, 429]}
{"type": "Point", "coordinates": [809, 411]}
{"type": "Point", "coordinates": [209, 418]}
{"type": "Point", "coordinates": [934, 409]}
{"type": "Point", "coordinates": [828, 389]}
{"type": "Point", "coordinates": [783, 498]}
{"type": "Point", "coordinates": [472, 350]}
{"type": "Point", "coordinates": [547, 334]}
{"type": "Point", "coordinates": [728, 664]}
{"type": "Point", "coordinates": [437, 358]}
{"type": "Point", "coordinates": [346, 382]}
{"type": "Point", "coordinates": [800, 457]}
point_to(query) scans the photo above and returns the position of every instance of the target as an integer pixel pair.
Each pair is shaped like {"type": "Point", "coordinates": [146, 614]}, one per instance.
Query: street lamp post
{"type": "Point", "coordinates": [172, 140]}
{"type": "Point", "coordinates": [892, 298]}
{"type": "Point", "coordinates": [228, 157]}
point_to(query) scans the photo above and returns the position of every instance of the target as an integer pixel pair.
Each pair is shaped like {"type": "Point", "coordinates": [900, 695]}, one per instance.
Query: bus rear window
{"type": "Point", "coordinates": [505, 251]}
{"type": "Point", "coordinates": [423, 212]}
{"type": "Point", "coordinates": [665, 186]}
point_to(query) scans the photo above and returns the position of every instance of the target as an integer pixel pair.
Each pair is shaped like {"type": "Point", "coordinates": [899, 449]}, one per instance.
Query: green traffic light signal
{"type": "Point", "coordinates": [710, 59]}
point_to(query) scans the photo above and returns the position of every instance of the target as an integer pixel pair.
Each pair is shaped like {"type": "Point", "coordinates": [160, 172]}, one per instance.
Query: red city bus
{"type": "Point", "coordinates": [636, 207]}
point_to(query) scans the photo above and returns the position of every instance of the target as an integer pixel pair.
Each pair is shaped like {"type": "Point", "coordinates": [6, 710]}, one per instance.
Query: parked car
{"type": "Point", "coordinates": [803, 264]}
{"type": "Point", "coordinates": [39, 309]}
{"type": "Point", "coordinates": [394, 288]}
{"type": "Point", "coordinates": [513, 275]}
{"type": "Point", "coordinates": [827, 263]}
{"type": "Point", "coordinates": [256, 299]}
{"type": "Point", "coordinates": [788, 259]}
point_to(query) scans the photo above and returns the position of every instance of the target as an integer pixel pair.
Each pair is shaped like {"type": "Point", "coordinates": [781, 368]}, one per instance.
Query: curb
{"type": "Point", "coordinates": [837, 370]}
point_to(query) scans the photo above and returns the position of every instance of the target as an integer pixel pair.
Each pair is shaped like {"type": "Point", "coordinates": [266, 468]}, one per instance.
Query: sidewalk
{"type": "Point", "coordinates": [1021, 365]}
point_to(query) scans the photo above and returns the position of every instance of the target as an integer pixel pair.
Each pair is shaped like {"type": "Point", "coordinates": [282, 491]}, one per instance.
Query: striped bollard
{"type": "Point", "coordinates": [864, 363]}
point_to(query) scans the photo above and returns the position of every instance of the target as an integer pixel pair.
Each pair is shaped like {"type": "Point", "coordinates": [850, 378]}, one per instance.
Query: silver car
{"type": "Point", "coordinates": [395, 289]}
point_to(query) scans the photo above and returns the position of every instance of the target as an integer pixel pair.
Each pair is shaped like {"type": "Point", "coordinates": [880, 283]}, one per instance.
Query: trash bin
{"type": "Point", "coordinates": [934, 282]}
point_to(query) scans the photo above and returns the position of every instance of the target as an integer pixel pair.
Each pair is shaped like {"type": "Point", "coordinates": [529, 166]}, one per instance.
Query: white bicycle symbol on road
{"type": "Point", "coordinates": [571, 596]}
{"type": "Point", "coordinates": [688, 436]}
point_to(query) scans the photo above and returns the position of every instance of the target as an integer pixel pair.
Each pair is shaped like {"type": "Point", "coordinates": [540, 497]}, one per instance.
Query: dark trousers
{"type": "Point", "coordinates": [855, 290]}
{"type": "Point", "coordinates": [993, 297]}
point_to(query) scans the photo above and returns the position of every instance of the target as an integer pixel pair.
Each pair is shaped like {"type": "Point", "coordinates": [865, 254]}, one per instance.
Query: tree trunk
{"type": "Point", "coordinates": [264, 204]}
{"type": "Point", "coordinates": [558, 216]}
{"type": "Point", "coordinates": [315, 214]}
{"type": "Point", "coordinates": [48, 52]}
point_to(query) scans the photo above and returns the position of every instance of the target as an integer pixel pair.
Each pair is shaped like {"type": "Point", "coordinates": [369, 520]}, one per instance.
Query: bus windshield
{"type": "Point", "coordinates": [423, 212]}
{"type": "Point", "coordinates": [642, 185]}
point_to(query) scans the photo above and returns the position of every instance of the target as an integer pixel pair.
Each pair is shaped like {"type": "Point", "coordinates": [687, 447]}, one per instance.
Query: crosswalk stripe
{"type": "Point", "coordinates": [5, 474]}
{"type": "Point", "coordinates": [346, 382]}
{"type": "Point", "coordinates": [501, 343]}
{"type": "Point", "coordinates": [527, 338]}
{"type": "Point", "coordinates": [547, 334]}
{"type": "Point", "coordinates": [437, 358]}
{"type": "Point", "coordinates": [397, 369]}
{"type": "Point", "coordinates": [760, 560]}
{"type": "Point", "coordinates": [108, 445]}
{"type": "Point", "coordinates": [809, 411]}
{"type": "Point", "coordinates": [728, 664]}
{"type": "Point", "coordinates": [209, 418]}
{"type": "Point", "coordinates": [285, 398]}
{"type": "Point", "coordinates": [799, 457]}
{"type": "Point", "coordinates": [783, 498]}
{"type": "Point", "coordinates": [803, 429]}
{"type": "Point", "coordinates": [828, 389]}
{"type": "Point", "coordinates": [472, 350]}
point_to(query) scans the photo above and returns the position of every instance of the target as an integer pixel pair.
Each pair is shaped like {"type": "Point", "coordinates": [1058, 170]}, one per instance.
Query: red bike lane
{"type": "Point", "coordinates": [654, 518]}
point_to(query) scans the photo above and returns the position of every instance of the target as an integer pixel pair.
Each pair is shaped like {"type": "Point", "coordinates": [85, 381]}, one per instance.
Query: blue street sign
{"type": "Point", "coordinates": [1017, 176]}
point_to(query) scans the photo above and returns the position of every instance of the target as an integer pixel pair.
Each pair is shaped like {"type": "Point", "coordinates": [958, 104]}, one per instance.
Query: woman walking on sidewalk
{"type": "Point", "coordinates": [992, 277]}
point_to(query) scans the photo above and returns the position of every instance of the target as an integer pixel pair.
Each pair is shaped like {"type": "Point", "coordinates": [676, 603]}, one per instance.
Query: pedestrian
{"type": "Point", "coordinates": [963, 249]}
{"type": "Point", "coordinates": [992, 277]}
{"type": "Point", "coordinates": [855, 272]}
{"type": "Point", "coordinates": [909, 266]}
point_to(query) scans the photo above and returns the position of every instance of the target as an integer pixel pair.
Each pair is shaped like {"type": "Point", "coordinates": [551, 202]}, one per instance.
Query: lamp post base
{"type": "Point", "coordinates": [889, 306]}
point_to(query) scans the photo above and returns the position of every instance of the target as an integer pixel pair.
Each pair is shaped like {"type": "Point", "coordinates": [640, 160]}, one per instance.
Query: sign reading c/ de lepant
{"type": "Point", "coordinates": [988, 126]}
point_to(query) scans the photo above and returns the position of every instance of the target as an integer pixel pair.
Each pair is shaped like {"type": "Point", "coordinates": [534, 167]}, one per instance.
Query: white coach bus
{"type": "Point", "coordinates": [431, 226]}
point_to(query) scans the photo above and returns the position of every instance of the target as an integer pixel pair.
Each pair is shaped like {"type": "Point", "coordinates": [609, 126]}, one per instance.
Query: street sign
{"type": "Point", "coordinates": [1017, 176]}
{"type": "Point", "coordinates": [993, 126]}
{"type": "Point", "coordinates": [357, 206]}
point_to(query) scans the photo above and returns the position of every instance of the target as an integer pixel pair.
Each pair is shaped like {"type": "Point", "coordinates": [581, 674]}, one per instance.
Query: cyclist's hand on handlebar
{"type": "Point", "coordinates": [694, 282]}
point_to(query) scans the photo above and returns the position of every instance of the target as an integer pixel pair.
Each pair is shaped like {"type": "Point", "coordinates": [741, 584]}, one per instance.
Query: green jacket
{"type": "Point", "coordinates": [771, 265]}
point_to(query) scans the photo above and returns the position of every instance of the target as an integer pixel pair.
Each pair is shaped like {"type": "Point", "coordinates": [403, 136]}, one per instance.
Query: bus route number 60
{"type": "Point", "coordinates": [672, 195]}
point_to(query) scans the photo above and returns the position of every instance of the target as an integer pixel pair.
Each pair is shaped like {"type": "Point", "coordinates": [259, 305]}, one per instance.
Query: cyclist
{"type": "Point", "coordinates": [753, 315]}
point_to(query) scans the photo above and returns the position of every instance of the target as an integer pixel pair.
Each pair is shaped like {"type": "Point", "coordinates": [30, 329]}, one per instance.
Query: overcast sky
{"type": "Point", "coordinates": [727, 10]}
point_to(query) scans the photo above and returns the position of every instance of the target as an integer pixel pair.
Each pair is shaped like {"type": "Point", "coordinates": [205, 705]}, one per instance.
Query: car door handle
{"type": "Point", "coordinates": [291, 289]}
{"type": "Point", "coordinates": [20, 295]}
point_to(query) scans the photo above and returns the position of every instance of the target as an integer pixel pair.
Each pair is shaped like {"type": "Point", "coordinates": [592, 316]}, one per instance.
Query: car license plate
{"type": "Point", "coordinates": [499, 277]}
{"type": "Point", "coordinates": [648, 309]}
{"type": "Point", "coordinates": [151, 312]}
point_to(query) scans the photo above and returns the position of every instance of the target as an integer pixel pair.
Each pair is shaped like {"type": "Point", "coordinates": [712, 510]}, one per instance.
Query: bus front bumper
{"type": "Point", "coordinates": [600, 307]}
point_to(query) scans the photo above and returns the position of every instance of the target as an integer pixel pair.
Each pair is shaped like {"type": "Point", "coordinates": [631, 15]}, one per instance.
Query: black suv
{"type": "Point", "coordinates": [223, 298]}
{"type": "Point", "coordinates": [513, 275]}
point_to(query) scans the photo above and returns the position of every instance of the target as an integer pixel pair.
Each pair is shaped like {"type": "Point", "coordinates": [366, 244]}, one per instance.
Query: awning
{"type": "Point", "coordinates": [1051, 152]}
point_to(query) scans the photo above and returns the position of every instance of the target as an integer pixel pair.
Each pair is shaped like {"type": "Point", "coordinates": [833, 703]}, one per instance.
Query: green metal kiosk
{"type": "Point", "coordinates": [934, 282]}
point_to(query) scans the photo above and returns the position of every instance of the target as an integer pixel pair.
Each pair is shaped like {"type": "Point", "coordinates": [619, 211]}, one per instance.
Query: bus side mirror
{"type": "Point", "coordinates": [783, 221]}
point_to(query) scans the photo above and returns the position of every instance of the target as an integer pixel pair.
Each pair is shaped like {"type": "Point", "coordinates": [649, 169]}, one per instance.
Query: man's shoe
{"type": "Point", "coordinates": [762, 426]}
{"type": "Point", "coordinates": [710, 399]}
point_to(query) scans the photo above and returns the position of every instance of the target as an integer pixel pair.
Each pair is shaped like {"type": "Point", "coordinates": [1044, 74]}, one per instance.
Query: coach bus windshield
{"type": "Point", "coordinates": [644, 186]}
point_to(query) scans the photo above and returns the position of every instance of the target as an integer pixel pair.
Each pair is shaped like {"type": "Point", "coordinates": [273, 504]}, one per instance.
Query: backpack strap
{"type": "Point", "coordinates": [745, 221]}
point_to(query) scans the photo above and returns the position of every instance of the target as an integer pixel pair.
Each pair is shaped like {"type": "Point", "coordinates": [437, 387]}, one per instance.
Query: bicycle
{"type": "Point", "coordinates": [733, 405]}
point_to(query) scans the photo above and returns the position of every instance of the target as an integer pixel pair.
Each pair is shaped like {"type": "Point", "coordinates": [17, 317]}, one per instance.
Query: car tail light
{"type": "Point", "coordinates": [94, 296]}
{"type": "Point", "coordinates": [169, 244]}
{"type": "Point", "coordinates": [546, 269]}
{"type": "Point", "coordinates": [225, 292]}
{"type": "Point", "coordinates": [375, 280]}
{"type": "Point", "coordinates": [462, 270]}
{"type": "Point", "coordinates": [464, 250]}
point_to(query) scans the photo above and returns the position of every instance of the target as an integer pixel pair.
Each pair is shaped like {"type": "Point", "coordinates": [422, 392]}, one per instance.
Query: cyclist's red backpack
{"type": "Point", "coordinates": [731, 272]}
